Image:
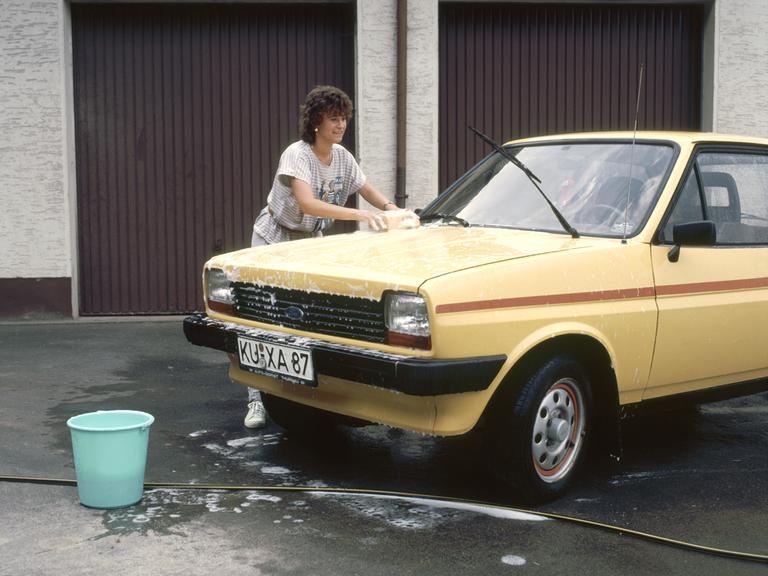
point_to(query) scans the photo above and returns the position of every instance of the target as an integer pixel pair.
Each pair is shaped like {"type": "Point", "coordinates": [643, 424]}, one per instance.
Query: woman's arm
{"type": "Point", "coordinates": [376, 198]}
{"type": "Point", "coordinates": [319, 209]}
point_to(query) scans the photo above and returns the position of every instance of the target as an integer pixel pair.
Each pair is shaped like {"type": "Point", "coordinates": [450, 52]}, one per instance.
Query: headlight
{"type": "Point", "coordinates": [219, 290]}
{"type": "Point", "coordinates": [407, 320]}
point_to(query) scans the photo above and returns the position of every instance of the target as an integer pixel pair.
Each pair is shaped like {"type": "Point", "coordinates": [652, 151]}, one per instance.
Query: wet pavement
{"type": "Point", "coordinates": [699, 476]}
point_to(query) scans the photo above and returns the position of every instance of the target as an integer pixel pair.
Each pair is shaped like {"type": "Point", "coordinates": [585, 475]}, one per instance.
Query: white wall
{"type": "Point", "coordinates": [375, 106]}
{"type": "Point", "coordinates": [34, 208]}
{"type": "Point", "coordinates": [376, 97]}
{"type": "Point", "coordinates": [741, 67]}
{"type": "Point", "coordinates": [422, 145]}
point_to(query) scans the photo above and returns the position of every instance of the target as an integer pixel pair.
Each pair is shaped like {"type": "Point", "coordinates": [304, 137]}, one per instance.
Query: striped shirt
{"type": "Point", "coordinates": [282, 219]}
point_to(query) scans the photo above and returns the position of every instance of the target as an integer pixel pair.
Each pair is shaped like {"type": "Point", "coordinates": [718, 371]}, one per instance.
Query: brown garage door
{"type": "Point", "coordinates": [181, 113]}
{"type": "Point", "coordinates": [514, 71]}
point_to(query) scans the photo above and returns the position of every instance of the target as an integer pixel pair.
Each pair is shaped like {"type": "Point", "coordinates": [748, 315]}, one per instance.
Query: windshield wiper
{"type": "Point", "coordinates": [442, 216]}
{"type": "Point", "coordinates": [535, 180]}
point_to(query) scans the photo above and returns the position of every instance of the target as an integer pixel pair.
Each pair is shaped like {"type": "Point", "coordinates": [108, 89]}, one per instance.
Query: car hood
{"type": "Point", "coordinates": [366, 263]}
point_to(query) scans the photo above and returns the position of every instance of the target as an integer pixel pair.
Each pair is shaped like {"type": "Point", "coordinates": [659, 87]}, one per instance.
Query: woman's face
{"type": "Point", "coordinates": [332, 128]}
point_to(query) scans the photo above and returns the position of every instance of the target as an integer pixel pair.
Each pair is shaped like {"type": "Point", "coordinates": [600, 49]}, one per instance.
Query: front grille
{"type": "Point", "coordinates": [345, 316]}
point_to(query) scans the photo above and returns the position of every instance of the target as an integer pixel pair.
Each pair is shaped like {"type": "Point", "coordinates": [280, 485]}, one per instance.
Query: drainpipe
{"type": "Point", "coordinates": [402, 87]}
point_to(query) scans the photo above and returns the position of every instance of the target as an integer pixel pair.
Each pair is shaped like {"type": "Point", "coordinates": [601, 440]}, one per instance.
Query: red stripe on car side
{"type": "Point", "coordinates": [604, 295]}
{"type": "Point", "coordinates": [721, 286]}
{"type": "Point", "coordinates": [545, 300]}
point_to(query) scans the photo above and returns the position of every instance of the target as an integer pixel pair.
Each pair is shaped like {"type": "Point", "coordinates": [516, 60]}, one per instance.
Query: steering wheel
{"type": "Point", "coordinates": [612, 210]}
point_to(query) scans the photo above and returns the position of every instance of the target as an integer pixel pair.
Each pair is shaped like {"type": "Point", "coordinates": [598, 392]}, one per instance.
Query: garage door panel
{"type": "Point", "coordinates": [181, 112]}
{"type": "Point", "coordinates": [562, 69]}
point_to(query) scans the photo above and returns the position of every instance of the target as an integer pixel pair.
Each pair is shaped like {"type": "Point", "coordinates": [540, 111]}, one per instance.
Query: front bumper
{"type": "Point", "coordinates": [405, 374]}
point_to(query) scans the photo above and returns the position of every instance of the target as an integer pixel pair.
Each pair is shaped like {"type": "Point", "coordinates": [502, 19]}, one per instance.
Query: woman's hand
{"type": "Point", "coordinates": [400, 219]}
{"type": "Point", "coordinates": [374, 220]}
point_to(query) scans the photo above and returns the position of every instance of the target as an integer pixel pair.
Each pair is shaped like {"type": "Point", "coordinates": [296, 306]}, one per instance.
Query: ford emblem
{"type": "Point", "coordinates": [294, 313]}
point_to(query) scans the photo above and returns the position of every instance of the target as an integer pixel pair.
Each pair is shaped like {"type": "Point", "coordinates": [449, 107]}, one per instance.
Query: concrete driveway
{"type": "Point", "coordinates": [699, 476]}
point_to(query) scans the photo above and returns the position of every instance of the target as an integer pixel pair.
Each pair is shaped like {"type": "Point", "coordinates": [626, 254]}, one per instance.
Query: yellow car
{"type": "Point", "coordinates": [560, 283]}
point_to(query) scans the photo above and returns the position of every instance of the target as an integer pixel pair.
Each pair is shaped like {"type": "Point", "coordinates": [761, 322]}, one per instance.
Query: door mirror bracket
{"type": "Point", "coordinates": [701, 233]}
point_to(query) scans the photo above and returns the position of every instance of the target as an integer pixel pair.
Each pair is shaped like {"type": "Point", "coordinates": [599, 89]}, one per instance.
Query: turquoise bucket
{"type": "Point", "coordinates": [110, 450]}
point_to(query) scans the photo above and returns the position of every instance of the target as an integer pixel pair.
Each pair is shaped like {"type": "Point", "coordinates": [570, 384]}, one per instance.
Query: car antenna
{"type": "Point", "coordinates": [632, 154]}
{"type": "Point", "coordinates": [535, 180]}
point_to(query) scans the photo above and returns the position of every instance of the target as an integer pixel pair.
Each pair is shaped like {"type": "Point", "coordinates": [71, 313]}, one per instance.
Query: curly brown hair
{"type": "Point", "coordinates": [320, 101]}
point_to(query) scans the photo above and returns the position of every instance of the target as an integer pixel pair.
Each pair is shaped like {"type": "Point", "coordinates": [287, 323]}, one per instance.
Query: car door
{"type": "Point", "coordinates": [713, 301]}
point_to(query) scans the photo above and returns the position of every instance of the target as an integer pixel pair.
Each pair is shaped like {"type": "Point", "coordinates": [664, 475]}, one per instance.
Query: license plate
{"type": "Point", "coordinates": [292, 363]}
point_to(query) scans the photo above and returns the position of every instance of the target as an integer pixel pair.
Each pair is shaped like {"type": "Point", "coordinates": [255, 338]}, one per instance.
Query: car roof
{"type": "Point", "coordinates": [681, 138]}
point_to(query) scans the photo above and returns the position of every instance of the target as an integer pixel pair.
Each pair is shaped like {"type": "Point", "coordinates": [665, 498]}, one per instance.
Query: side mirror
{"type": "Point", "coordinates": [692, 234]}
{"type": "Point", "coordinates": [418, 211]}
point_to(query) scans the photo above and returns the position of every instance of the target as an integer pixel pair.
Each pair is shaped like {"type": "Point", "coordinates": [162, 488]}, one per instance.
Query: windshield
{"type": "Point", "coordinates": [590, 183]}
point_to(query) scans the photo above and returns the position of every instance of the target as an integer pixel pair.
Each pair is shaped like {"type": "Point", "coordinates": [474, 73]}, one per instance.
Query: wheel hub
{"type": "Point", "coordinates": [557, 430]}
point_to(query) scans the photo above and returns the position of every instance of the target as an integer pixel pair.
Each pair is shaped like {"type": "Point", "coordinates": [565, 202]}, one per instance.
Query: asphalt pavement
{"type": "Point", "coordinates": [699, 475]}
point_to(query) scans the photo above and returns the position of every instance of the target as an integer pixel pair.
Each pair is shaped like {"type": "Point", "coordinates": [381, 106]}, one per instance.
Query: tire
{"type": "Point", "coordinates": [541, 434]}
{"type": "Point", "coordinates": [304, 420]}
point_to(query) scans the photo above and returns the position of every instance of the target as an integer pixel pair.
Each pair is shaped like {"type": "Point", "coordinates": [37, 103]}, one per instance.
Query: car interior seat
{"type": "Point", "coordinates": [722, 197]}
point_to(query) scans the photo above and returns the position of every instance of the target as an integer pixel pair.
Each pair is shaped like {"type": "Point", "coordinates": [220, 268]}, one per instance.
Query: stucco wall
{"type": "Point", "coordinates": [376, 94]}
{"type": "Point", "coordinates": [741, 67]}
{"type": "Point", "coordinates": [422, 167]}
{"type": "Point", "coordinates": [34, 228]}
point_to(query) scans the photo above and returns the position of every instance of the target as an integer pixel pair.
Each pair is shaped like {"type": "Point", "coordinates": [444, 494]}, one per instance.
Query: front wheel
{"type": "Point", "coordinates": [542, 432]}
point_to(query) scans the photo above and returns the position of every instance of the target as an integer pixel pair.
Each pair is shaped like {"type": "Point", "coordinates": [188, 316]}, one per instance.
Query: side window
{"type": "Point", "coordinates": [736, 196]}
{"type": "Point", "coordinates": [687, 208]}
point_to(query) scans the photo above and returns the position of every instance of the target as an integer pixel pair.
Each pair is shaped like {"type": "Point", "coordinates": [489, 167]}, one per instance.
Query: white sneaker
{"type": "Point", "coordinates": [256, 417]}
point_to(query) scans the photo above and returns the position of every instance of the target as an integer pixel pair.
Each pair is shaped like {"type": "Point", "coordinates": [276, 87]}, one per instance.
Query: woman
{"type": "Point", "coordinates": [314, 178]}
